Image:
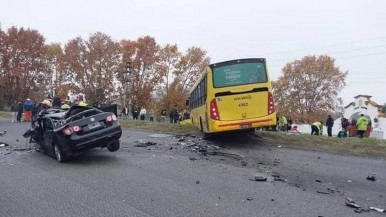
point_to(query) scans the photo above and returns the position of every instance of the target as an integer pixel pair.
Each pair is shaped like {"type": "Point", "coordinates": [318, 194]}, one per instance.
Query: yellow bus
{"type": "Point", "coordinates": [232, 95]}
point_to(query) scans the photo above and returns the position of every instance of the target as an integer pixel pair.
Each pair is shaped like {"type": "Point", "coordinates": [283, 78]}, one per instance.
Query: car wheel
{"type": "Point", "coordinates": [113, 146]}
{"type": "Point", "coordinates": [59, 155]}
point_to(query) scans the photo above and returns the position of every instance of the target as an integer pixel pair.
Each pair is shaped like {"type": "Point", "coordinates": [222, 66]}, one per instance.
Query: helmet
{"type": "Point", "coordinates": [46, 102]}
{"type": "Point", "coordinates": [82, 103]}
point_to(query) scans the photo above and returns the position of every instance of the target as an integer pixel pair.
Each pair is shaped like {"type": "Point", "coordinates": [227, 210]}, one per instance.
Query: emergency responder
{"type": "Point", "coordinates": [362, 124]}
{"type": "Point", "coordinates": [317, 128]}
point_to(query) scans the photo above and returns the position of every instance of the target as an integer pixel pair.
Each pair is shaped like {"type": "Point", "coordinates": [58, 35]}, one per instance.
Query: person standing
{"type": "Point", "coordinates": [283, 123]}
{"type": "Point", "coordinates": [151, 115]}
{"type": "Point", "coordinates": [14, 110]}
{"type": "Point", "coordinates": [20, 111]}
{"type": "Point", "coordinates": [317, 128]}
{"type": "Point", "coordinates": [142, 113]}
{"type": "Point", "coordinates": [329, 124]}
{"type": "Point", "coordinates": [175, 116]}
{"type": "Point", "coordinates": [163, 115]}
{"type": "Point", "coordinates": [28, 110]}
{"type": "Point", "coordinates": [362, 124]}
{"type": "Point", "coordinates": [135, 113]}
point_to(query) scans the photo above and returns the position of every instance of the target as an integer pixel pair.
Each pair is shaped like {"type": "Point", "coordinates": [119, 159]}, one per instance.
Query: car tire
{"type": "Point", "coordinates": [59, 154]}
{"type": "Point", "coordinates": [113, 146]}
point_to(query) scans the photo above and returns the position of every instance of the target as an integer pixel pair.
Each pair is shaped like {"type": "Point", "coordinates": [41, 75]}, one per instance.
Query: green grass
{"type": "Point", "coordinates": [159, 127]}
{"type": "Point", "coordinates": [352, 145]}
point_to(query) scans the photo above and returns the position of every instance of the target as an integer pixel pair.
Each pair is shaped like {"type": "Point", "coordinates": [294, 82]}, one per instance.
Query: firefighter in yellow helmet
{"type": "Point", "coordinates": [81, 103]}
{"type": "Point", "coordinates": [65, 106]}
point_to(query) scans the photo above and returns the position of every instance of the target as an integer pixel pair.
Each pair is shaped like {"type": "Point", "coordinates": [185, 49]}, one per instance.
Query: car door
{"type": "Point", "coordinates": [48, 134]}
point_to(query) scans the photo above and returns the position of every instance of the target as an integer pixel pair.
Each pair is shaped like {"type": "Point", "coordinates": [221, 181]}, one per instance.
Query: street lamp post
{"type": "Point", "coordinates": [127, 80]}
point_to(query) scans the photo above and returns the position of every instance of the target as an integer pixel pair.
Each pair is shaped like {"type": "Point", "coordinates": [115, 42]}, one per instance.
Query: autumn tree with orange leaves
{"type": "Point", "coordinates": [308, 89]}
{"type": "Point", "coordinates": [23, 64]}
{"type": "Point", "coordinates": [187, 70]}
{"type": "Point", "coordinates": [91, 67]}
{"type": "Point", "coordinates": [160, 77]}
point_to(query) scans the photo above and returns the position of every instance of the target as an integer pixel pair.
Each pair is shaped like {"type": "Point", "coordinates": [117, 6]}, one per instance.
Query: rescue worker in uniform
{"type": "Point", "coordinates": [317, 128]}
{"type": "Point", "coordinates": [362, 124]}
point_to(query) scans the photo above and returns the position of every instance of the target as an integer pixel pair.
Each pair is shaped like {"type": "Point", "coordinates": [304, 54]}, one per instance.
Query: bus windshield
{"type": "Point", "coordinates": [239, 74]}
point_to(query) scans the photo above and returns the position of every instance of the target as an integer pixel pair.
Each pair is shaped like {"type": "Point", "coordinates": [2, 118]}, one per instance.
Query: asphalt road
{"type": "Point", "coordinates": [185, 176]}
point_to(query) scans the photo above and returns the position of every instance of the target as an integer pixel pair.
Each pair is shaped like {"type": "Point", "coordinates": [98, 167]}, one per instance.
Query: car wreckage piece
{"type": "Point", "coordinates": [62, 134]}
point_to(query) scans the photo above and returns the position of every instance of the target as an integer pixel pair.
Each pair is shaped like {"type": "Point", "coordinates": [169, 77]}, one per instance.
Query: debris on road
{"type": "Point", "coordinates": [249, 198]}
{"type": "Point", "coordinates": [2, 133]}
{"type": "Point", "coordinates": [197, 182]}
{"type": "Point", "coordinates": [2, 144]}
{"type": "Point", "coordinates": [353, 205]}
{"type": "Point", "coordinates": [318, 180]}
{"type": "Point", "coordinates": [350, 200]}
{"type": "Point", "coordinates": [377, 209]}
{"type": "Point", "coordinates": [322, 192]}
{"type": "Point", "coordinates": [372, 177]}
{"type": "Point", "coordinates": [144, 144]}
{"type": "Point", "coordinates": [260, 178]}
{"type": "Point", "coordinates": [192, 158]}
{"type": "Point", "coordinates": [278, 179]}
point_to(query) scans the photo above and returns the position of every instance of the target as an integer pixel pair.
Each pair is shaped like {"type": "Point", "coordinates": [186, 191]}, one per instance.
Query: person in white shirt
{"type": "Point", "coordinates": [142, 113]}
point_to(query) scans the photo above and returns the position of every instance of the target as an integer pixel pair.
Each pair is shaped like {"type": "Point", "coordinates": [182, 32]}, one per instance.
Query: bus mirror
{"type": "Point", "coordinates": [187, 102]}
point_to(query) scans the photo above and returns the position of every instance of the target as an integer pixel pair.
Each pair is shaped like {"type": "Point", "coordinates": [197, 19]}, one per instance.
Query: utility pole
{"type": "Point", "coordinates": [127, 80]}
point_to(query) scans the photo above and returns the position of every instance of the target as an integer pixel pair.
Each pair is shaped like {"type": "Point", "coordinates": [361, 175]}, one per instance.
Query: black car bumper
{"type": "Point", "coordinates": [101, 138]}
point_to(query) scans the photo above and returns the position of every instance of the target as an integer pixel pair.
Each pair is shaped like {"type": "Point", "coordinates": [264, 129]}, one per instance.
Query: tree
{"type": "Point", "coordinates": [92, 67]}
{"type": "Point", "coordinates": [144, 55]}
{"type": "Point", "coordinates": [54, 52]}
{"type": "Point", "coordinates": [169, 56]}
{"type": "Point", "coordinates": [308, 89]}
{"type": "Point", "coordinates": [24, 67]}
{"type": "Point", "coordinates": [190, 67]}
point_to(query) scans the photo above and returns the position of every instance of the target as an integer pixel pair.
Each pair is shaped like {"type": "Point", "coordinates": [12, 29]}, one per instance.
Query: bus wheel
{"type": "Point", "coordinates": [205, 135]}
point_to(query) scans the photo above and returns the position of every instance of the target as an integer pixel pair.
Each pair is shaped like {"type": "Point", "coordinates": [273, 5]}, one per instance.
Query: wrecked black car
{"type": "Point", "coordinates": [62, 134]}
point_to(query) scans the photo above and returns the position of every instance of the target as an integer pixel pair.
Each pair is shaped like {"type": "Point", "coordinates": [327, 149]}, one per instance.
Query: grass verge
{"type": "Point", "coordinates": [351, 145]}
{"type": "Point", "coordinates": [354, 146]}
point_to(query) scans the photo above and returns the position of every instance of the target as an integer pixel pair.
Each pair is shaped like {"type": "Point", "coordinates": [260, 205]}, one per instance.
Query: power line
{"type": "Point", "coordinates": [332, 45]}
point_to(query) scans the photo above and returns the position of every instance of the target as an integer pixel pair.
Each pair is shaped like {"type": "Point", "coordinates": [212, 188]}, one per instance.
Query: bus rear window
{"type": "Point", "coordinates": [239, 74]}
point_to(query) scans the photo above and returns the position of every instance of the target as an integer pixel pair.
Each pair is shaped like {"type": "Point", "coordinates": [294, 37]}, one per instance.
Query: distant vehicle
{"type": "Point", "coordinates": [233, 95]}
{"type": "Point", "coordinates": [62, 134]}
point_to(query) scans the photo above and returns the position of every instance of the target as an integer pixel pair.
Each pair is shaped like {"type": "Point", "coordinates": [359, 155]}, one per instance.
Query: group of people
{"type": "Point", "coordinates": [361, 124]}
{"type": "Point", "coordinates": [285, 124]}
{"type": "Point", "coordinates": [141, 113]}
{"type": "Point", "coordinates": [31, 108]}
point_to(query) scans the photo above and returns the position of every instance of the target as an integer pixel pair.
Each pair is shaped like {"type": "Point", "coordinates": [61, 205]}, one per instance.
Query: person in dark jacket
{"type": "Point", "coordinates": [135, 112]}
{"type": "Point", "coordinates": [20, 111]}
{"type": "Point", "coordinates": [56, 102]}
{"type": "Point", "coordinates": [329, 124]}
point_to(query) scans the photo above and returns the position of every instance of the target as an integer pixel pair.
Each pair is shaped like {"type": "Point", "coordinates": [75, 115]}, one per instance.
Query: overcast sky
{"type": "Point", "coordinates": [351, 31]}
